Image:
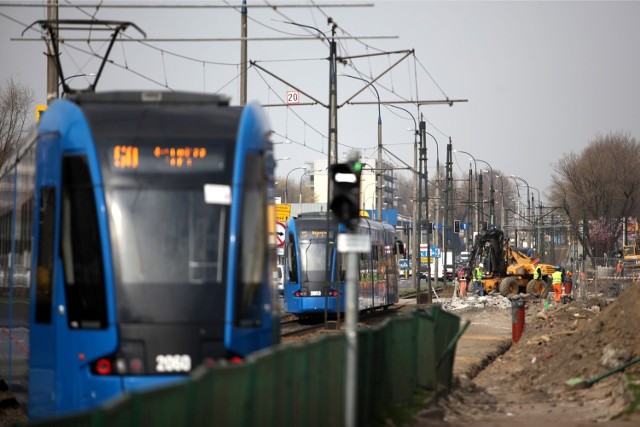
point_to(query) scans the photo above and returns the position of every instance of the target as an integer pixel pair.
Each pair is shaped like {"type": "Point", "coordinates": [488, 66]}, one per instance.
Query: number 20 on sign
{"type": "Point", "coordinates": [293, 97]}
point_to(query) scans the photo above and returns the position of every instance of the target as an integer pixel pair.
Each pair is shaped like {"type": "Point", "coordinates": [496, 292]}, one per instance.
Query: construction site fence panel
{"type": "Point", "coordinates": [297, 384]}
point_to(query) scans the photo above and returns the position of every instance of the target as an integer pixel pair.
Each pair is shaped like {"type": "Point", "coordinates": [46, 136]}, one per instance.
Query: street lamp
{"type": "Point", "coordinates": [475, 171]}
{"type": "Point", "coordinates": [417, 205]}
{"type": "Point", "coordinates": [537, 220]}
{"type": "Point", "coordinates": [437, 152]}
{"type": "Point", "coordinates": [437, 195]}
{"type": "Point", "coordinates": [286, 182]}
{"type": "Point", "coordinates": [306, 172]}
{"type": "Point", "coordinates": [528, 204]}
{"type": "Point", "coordinates": [379, 168]}
{"type": "Point", "coordinates": [364, 194]}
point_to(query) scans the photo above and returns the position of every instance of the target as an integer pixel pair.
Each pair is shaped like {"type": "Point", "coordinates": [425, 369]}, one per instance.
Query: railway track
{"type": "Point", "coordinates": [294, 328]}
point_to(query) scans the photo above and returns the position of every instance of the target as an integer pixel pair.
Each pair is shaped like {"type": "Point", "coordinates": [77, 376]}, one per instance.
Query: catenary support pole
{"type": "Point", "coordinates": [52, 69]}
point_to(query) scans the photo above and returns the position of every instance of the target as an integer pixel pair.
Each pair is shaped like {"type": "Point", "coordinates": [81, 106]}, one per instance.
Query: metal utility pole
{"type": "Point", "coordinates": [52, 68]}
{"type": "Point", "coordinates": [492, 203]}
{"type": "Point", "coordinates": [492, 214]}
{"type": "Point", "coordinates": [424, 179]}
{"type": "Point", "coordinates": [333, 97]}
{"type": "Point", "coordinates": [469, 231]}
{"type": "Point", "coordinates": [243, 53]}
{"type": "Point", "coordinates": [539, 229]}
{"type": "Point", "coordinates": [448, 212]}
{"type": "Point", "coordinates": [480, 202]}
{"type": "Point", "coordinates": [332, 158]}
{"type": "Point", "coordinates": [416, 217]}
{"type": "Point", "coordinates": [421, 220]}
{"type": "Point", "coordinates": [380, 169]}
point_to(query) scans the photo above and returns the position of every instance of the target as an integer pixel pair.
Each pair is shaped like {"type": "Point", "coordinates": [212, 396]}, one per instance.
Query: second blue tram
{"type": "Point", "coordinates": [141, 221]}
{"type": "Point", "coordinates": [314, 280]}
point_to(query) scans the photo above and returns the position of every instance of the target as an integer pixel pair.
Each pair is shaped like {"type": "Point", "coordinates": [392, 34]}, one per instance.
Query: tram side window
{"type": "Point", "coordinates": [365, 266]}
{"type": "Point", "coordinates": [253, 253]}
{"type": "Point", "coordinates": [44, 278]}
{"type": "Point", "coordinates": [292, 259]}
{"type": "Point", "coordinates": [375, 262]}
{"type": "Point", "coordinates": [80, 247]}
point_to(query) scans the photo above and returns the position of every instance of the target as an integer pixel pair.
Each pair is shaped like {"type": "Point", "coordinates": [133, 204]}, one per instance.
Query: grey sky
{"type": "Point", "coordinates": [542, 78]}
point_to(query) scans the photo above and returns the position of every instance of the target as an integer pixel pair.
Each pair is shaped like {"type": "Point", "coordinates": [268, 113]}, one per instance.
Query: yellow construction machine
{"type": "Point", "coordinates": [506, 269]}
{"type": "Point", "coordinates": [631, 253]}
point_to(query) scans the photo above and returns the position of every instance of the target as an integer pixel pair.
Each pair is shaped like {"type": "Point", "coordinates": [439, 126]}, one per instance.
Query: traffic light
{"type": "Point", "coordinates": [430, 229]}
{"type": "Point", "coordinates": [345, 198]}
{"type": "Point", "coordinates": [456, 226]}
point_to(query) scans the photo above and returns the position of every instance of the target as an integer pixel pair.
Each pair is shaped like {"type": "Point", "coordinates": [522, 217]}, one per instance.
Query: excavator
{"type": "Point", "coordinates": [631, 258]}
{"type": "Point", "coordinates": [506, 269]}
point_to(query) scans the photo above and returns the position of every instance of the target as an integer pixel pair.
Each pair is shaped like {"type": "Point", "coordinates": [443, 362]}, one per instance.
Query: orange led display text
{"type": "Point", "coordinates": [180, 157]}
{"type": "Point", "coordinates": [125, 157]}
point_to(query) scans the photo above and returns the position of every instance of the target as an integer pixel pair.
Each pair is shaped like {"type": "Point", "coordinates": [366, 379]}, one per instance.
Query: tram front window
{"type": "Point", "coordinates": [168, 236]}
{"type": "Point", "coordinates": [313, 260]}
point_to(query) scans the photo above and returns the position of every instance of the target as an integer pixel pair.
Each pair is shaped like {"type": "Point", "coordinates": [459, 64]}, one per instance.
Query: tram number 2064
{"type": "Point", "coordinates": [173, 363]}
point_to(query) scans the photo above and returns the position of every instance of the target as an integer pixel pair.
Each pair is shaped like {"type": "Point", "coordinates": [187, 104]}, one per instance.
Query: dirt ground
{"type": "Point", "coordinates": [526, 385]}
{"type": "Point", "coordinates": [10, 412]}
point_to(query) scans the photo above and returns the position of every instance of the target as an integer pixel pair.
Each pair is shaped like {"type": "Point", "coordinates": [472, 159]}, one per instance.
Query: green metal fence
{"type": "Point", "coordinates": [299, 384]}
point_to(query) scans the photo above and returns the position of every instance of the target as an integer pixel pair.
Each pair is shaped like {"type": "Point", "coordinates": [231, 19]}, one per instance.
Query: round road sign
{"type": "Point", "coordinates": [281, 229]}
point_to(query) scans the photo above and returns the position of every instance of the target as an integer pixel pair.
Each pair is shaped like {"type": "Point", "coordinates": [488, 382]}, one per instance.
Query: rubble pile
{"type": "Point", "coordinates": [474, 302]}
{"type": "Point", "coordinates": [578, 339]}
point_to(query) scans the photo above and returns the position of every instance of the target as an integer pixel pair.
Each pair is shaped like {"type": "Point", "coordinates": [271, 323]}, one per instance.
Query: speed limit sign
{"type": "Point", "coordinates": [293, 97]}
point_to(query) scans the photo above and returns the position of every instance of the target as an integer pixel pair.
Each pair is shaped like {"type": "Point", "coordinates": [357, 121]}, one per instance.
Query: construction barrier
{"type": "Point", "coordinates": [298, 384]}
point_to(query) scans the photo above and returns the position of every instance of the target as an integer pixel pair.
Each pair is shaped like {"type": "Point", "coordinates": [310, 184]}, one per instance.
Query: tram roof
{"type": "Point", "coordinates": [157, 97]}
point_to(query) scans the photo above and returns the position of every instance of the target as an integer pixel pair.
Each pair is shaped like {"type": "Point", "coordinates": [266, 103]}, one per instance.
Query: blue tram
{"type": "Point", "coordinates": [135, 246]}
{"type": "Point", "coordinates": [310, 286]}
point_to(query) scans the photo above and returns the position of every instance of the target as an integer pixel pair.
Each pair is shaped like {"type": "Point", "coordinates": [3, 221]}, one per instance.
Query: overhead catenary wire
{"type": "Point", "coordinates": [165, 52]}
{"type": "Point", "coordinates": [131, 5]}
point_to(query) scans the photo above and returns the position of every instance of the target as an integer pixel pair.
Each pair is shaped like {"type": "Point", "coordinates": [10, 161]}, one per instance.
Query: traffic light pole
{"type": "Point", "coordinates": [345, 205]}
{"type": "Point", "coordinates": [352, 244]}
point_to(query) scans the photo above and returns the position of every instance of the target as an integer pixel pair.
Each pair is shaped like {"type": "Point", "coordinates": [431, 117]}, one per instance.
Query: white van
{"type": "Point", "coordinates": [278, 278]}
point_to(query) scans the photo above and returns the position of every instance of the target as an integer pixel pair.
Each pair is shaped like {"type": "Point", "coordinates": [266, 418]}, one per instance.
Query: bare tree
{"type": "Point", "coordinates": [600, 183]}
{"type": "Point", "coordinates": [16, 102]}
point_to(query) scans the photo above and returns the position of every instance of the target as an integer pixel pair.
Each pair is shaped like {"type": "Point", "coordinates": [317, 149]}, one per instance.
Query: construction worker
{"type": "Point", "coordinates": [462, 280]}
{"type": "Point", "coordinates": [477, 279]}
{"type": "Point", "coordinates": [537, 272]}
{"type": "Point", "coordinates": [556, 281]}
{"type": "Point", "coordinates": [619, 269]}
